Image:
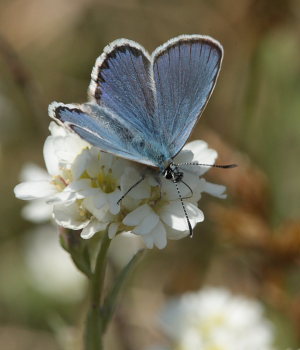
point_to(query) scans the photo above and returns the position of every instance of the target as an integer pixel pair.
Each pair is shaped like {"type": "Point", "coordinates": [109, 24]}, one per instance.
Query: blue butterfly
{"type": "Point", "coordinates": [143, 107]}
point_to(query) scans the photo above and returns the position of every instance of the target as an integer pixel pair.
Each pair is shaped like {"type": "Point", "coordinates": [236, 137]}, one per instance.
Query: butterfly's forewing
{"type": "Point", "coordinates": [185, 70]}
{"type": "Point", "coordinates": [101, 128]}
{"type": "Point", "coordinates": [121, 82]}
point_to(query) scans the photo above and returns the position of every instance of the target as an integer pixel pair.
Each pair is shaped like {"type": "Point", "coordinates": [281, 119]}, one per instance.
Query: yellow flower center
{"type": "Point", "coordinates": [103, 180]}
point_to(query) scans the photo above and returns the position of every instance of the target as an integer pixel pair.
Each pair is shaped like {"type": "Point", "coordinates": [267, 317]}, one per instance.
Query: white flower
{"type": "Point", "coordinates": [214, 318]}
{"type": "Point", "coordinates": [161, 215]}
{"type": "Point", "coordinates": [83, 187]}
{"type": "Point", "coordinates": [36, 210]}
{"type": "Point", "coordinates": [51, 268]}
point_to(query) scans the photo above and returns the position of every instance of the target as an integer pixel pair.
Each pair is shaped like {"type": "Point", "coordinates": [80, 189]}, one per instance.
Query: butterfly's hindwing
{"type": "Point", "coordinates": [101, 128]}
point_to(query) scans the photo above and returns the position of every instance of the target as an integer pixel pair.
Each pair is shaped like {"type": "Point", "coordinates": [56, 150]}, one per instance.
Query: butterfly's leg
{"type": "Point", "coordinates": [131, 188]}
{"type": "Point", "coordinates": [184, 210]}
{"type": "Point", "coordinates": [191, 195]}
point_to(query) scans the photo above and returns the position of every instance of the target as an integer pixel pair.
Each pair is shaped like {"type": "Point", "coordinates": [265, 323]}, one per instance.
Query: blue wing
{"type": "Point", "coordinates": [144, 108]}
{"type": "Point", "coordinates": [121, 81]}
{"type": "Point", "coordinates": [185, 70]}
{"type": "Point", "coordinates": [101, 128]}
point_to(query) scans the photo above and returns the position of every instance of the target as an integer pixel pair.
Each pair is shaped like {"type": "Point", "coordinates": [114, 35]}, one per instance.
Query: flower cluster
{"type": "Point", "coordinates": [83, 185]}
{"type": "Point", "coordinates": [213, 318]}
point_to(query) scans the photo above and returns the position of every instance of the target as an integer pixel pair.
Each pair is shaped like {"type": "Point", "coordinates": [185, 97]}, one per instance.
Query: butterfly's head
{"type": "Point", "coordinates": [171, 172]}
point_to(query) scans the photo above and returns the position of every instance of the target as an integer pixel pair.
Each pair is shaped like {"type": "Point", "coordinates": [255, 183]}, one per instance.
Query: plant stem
{"type": "Point", "coordinates": [94, 325]}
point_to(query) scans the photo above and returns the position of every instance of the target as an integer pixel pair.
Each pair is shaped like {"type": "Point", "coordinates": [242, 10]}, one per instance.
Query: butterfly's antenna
{"type": "Point", "coordinates": [225, 166]}
{"type": "Point", "coordinates": [185, 213]}
{"type": "Point", "coordinates": [130, 188]}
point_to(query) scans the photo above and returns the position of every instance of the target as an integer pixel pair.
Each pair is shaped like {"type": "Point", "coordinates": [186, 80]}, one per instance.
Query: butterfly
{"type": "Point", "coordinates": [144, 107]}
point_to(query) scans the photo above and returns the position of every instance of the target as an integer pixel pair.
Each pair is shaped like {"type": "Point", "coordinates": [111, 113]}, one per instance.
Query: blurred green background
{"type": "Point", "coordinates": [249, 243]}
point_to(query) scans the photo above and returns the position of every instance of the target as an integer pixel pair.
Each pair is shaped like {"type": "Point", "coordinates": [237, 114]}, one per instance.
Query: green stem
{"type": "Point", "coordinates": [94, 325]}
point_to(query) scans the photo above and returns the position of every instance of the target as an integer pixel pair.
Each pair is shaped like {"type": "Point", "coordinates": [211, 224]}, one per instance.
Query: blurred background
{"type": "Point", "coordinates": [249, 243]}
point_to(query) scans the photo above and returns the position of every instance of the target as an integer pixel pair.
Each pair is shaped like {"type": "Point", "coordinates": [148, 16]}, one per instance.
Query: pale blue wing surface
{"type": "Point", "coordinates": [185, 70]}
{"type": "Point", "coordinates": [101, 128]}
{"type": "Point", "coordinates": [121, 82]}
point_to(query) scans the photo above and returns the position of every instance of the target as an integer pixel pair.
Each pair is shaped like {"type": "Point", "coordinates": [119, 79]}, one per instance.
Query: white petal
{"type": "Point", "coordinates": [106, 159]}
{"type": "Point", "coordinates": [148, 223]}
{"type": "Point", "coordinates": [100, 200]}
{"type": "Point", "coordinates": [190, 153]}
{"type": "Point", "coordinates": [160, 235]}
{"type": "Point", "coordinates": [93, 227]}
{"type": "Point", "coordinates": [68, 148]}
{"type": "Point", "coordinates": [88, 203]}
{"type": "Point", "coordinates": [149, 241]}
{"type": "Point", "coordinates": [113, 198]}
{"type": "Point", "coordinates": [118, 165]}
{"type": "Point", "coordinates": [76, 190]}
{"type": "Point", "coordinates": [32, 172]}
{"type": "Point", "coordinates": [169, 190]}
{"type": "Point", "coordinates": [69, 216]}
{"type": "Point", "coordinates": [173, 215]}
{"type": "Point", "coordinates": [79, 165]}
{"type": "Point", "coordinates": [157, 237]}
{"type": "Point", "coordinates": [152, 178]}
{"type": "Point", "coordinates": [175, 234]}
{"type": "Point", "coordinates": [201, 154]}
{"type": "Point", "coordinates": [80, 185]}
{"type": "Point", "coordinates": [37, 211]}
{"type": "Point", "coordinates": [135, 217]}
{"type": "Point", "coordinates": [34, 189]}
{"type": "Point", "coordinates": [196, 146]}
{"type": "Point", "coordinates": [65, 196]}
{"type": "Point", "coordinates": [207, 156]}
{"type": "Point", "coordinates": [194, 213]}
{"type": "Point", "coordinates": [184, 156]}
{"type": "Point", "coordinates": [57, 130]}
{"type": "Point", "coordinates": [112, 230]}
{"type": "Point", "coordinates": [50, 157]}
{"type": "Point", "coordinates": [215, 190]}
{"type": "Point", "coordinates": [131, 177]}
{"type": "Point", "coordinates": [93, 165]}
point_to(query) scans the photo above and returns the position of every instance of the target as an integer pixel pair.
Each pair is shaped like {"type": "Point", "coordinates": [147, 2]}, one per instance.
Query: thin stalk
{"type": "Point", "coordinates": [94, 325]}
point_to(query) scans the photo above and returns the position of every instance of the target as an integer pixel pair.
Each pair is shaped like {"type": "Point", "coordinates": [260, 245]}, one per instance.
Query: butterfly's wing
{"type": "Point", "coordinates": [121, 81]}
{"type": "Point", "coordinates": [143, 108]}
{"type": "Point", "coordinates": [102, 128]}
{"type": "Point", "coordinates": [185, 70]}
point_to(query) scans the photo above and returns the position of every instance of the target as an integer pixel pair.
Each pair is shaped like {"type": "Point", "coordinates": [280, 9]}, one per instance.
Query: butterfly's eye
{"type": "Point", "coordinates": [172, 173]}
{"type": "Point", "coordinates": [168, 174]}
